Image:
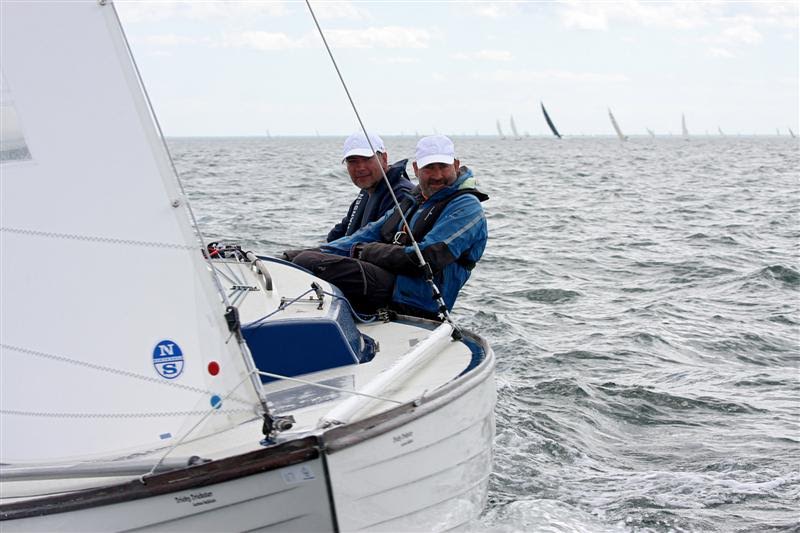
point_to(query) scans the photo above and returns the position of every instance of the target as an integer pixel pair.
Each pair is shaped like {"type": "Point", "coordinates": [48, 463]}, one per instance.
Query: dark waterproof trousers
{"type": "Point", "coordinates": [368, 287]}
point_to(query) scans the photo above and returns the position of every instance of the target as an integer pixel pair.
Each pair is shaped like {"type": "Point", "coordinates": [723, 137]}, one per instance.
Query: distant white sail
{"type": "Point", "coordinates": [500, 130]}
{"type": "Point", "coordinates": [720, 131]}
{"type": "Point", "coordinates": [514, 128]}
{"type": "Point", "coordinates": [791, 133]}
{"type": "Point", "coordinates": [684, 131]}
{"type": "Point", "coordinates": [622, 137]}
{"type": "Point", "coordinates": [650, 132]}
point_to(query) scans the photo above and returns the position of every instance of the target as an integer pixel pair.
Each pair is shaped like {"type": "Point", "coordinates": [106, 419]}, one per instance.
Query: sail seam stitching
{"type": "Point", "coordinates": [117, 371]}
{"type": "Point", "coordinates": [93, 238]}
{"type": "Point", "coordinates": [118, 415]}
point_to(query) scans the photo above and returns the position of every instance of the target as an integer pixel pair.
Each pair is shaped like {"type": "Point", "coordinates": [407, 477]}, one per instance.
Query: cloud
{"type": "Point", "coordinates": [720, 52]}
{"type": "Point", "coordinates": [338, 10]}
{"type": "Point", "coordinates": [169, 40]}
{"type": "Point", "coordinates": [525, 76]}
{"type": "Point", "coordinates": [382, 37]}
{"type": "Point", "coordinates": [385, 37]}
{"type": "Point", "coordinates": [739, 30]}
{"type": "Point", "coordinates": [488, 55]}
{"type": "Point", "coordinates": [159, 10]}
{"type": "Point", "coordinates": [397, 60]}
{"type": "Point", "coordinates": [260, 40]}
{"type": "Point", "coordinates": [599, 16]}
{"type": "Point", "coordinates": [494, 10]}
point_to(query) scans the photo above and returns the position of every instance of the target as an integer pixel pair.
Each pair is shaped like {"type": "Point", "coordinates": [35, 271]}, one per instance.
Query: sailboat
{"type": "Point", "coordinates": [650, 132]}
{"type": "Point", "coordinates": [500, 130]}
{"type": "Point", "coordinates": [151, 381]}
{"type": "Point", "coordinates": [721, 133]}
{"type": "Point", "coordinates": [684, 131]}
{"type": "Point", "coordinates": [616, 126]}
{"type": "Point", "coordinates": [791, 133]}
{"type": "Point", "coordinates": [514, 128]}
{"type": "Point", "coordinates": [549, 121]}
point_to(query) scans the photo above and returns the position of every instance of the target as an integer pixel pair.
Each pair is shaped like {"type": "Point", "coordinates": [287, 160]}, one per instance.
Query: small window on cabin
{"type": "Point", "coordinates": [12, 142]}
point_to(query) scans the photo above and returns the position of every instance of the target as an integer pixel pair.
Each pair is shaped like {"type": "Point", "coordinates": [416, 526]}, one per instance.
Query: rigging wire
{"type": "Point", "coordinates": [437, 295]}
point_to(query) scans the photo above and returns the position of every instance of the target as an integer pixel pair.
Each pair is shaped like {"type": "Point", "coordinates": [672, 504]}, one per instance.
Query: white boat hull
{"type": "Point", "coordinates": [290, 498]}
{"type": "Point", "coordinates": [422, 466]}
{"type": "Point", "coordinates": [429, 474]}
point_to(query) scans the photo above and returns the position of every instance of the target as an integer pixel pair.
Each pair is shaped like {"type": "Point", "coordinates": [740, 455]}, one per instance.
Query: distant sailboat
{"type": "Point", "coordinates": [621, 136]}
{"type": "Point", "coordinates": [720, 131]}
{"type": "Point", "coordinates": [684, 131]}
{"type": "Point", "coordinates": [550, 122]}
{"type": "Point", "coordinates": [777, 132]}
{"type": "Point", "coordinates": [514, 129]}
{"type": "Point", "coordinates": [792, 133]}
{"type": "Point", "coordinates": [650, 132]}
{"type": "Point", "coordinates": [500, 130]}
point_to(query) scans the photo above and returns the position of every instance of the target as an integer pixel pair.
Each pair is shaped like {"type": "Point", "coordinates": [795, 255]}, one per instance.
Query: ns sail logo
{"type": "Point", "coordinates": [168, 359]}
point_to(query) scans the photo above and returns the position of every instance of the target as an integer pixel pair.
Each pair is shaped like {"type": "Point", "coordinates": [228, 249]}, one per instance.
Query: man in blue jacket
{"type": "Point", "coordinates": [376, 267]}
{"type": "Point", "coordinates": [374, 198]}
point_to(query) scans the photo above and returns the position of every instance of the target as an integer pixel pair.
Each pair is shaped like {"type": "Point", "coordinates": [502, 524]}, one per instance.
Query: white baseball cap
{"type": "Point", "coordinates": [357, 144]}
{"type": "Point", "coordinates": [435, 149]}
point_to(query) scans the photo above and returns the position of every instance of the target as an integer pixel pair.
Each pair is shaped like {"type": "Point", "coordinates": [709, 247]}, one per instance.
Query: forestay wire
{"type": "Point", "coordinates": [437, 295]}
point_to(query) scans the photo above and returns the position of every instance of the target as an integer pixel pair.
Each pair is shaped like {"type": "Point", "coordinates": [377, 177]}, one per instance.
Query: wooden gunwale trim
{"type": "Point", "coordinates": [201, 475]}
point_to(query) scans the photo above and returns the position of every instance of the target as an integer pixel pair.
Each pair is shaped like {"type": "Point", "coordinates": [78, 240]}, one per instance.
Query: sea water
{"type": "Point", "coordinates": [641, 299]}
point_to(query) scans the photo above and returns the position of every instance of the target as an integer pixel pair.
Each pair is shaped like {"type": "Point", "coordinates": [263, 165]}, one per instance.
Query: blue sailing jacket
{"type": "Point", "coordinates": [451, 247]}
{"type": "Point", "coordinates": [367, 207]}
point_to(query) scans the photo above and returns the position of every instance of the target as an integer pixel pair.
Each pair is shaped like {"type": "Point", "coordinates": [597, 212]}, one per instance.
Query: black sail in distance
{"type": "Point", "coordinates": [550, 122]}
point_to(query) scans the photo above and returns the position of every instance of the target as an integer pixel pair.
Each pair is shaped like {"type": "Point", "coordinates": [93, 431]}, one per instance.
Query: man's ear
{"type": "Point", "coordinates": [457, 165]}
{"type": "Point", "coordinates": [416, 170]}
{"type": "Point", "coordinates": [383, 157]}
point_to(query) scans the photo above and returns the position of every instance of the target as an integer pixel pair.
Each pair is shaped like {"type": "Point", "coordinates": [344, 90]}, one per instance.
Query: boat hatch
{"type": "Point", "coordinates": [295, 346]}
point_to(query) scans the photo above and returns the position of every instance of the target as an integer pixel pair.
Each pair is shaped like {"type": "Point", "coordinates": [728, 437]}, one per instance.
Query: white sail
{"type": "Point", "coordinates": [719, 129]}
{"type": "Point", "coordinates": [500, 130]}
{"type": "Point", "coordinates": [791, 133]}
{"type": "Point", "coordinates": [110, 317]}
{"type": "Point", "coordinates": [621, 136]}
{"type": "Point", "coordinates": [514, 128]}
{"type": "Point", "coordinates": [684, 131]}
{"type": "Point", "coordinates": [650, 132]}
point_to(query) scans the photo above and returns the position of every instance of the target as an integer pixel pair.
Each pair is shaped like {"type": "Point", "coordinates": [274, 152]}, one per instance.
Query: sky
{"type": "Point", "coordinates": [248, 68]}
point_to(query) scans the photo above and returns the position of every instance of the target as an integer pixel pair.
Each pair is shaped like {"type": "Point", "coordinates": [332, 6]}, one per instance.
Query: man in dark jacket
{"type": "Point", "coordinates": [376, 267]}
{"type": "Point", "coordinates": [365, 171]}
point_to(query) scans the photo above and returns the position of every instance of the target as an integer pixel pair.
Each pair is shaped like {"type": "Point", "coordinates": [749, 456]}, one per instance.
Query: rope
{"type": "Point", "coordinates": [422, 263]}
{"type": "Point", "coordinates": [280, 308]}
{"type": "Point", "coordinates": [364, 319]}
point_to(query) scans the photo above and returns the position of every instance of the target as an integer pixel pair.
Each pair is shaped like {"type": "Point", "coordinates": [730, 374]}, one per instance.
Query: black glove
{"type": "Point", "coordinates": [289, 255]}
